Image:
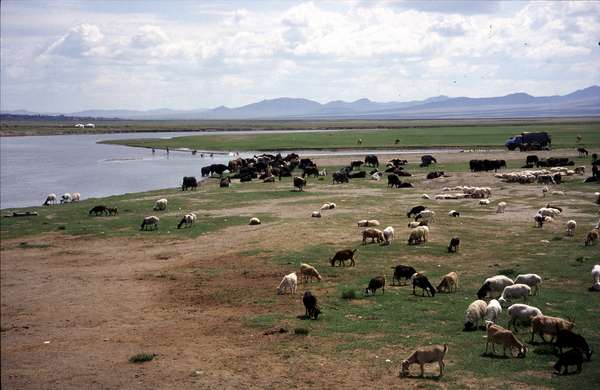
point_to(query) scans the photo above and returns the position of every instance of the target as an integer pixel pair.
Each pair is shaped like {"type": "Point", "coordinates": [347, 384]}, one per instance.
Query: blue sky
{"type": "Point", "coordinates": [66, 56]}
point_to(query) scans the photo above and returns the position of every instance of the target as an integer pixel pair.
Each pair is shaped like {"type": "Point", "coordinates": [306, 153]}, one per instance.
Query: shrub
{"type": "Point", "coordinates": [142, 357]}
{"type": "Point", "coordinates": [349, 294]}
{"type": "Point", "coordinates": [301, 331]}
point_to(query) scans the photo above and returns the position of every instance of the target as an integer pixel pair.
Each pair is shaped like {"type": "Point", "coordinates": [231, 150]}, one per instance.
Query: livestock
{"type": "Point", "coordinates": [66, 198]}
{"type": "Point", "coordinates": [305, 162]}
{"type": "Point", "coordinates": [375, 284]}
{"type": "Point", "coordinates": [308, 171]}
{"type": "Point", "coordinates": [493, 311]}
{"type": "Point", "coordinates": [356, 175]}
{"type": "Point", "coordinates": [517, 290]}
{"type": "Point", "coordinates": [418, 235]}
{"type": "Point", "coordinates": [582, 152]}
{"type": "Point", "coordinates": [426, 215]}
{"type": "Point", "coordinates": [254, 221]}
{"type": "Point", "coordinates": [342, 256]}
{"type": "Point", "coordinates": [394, 181]}
{"type": "Point", "coordinates": [402, 271]}
{"type": "Point", "coordinates": [427, 160]}
{"type": "Point", "coordinates": [494, 285]}
{"type": "Point", "coordinates": [310, 304]}
{"type": "Point", "coordinates": [449, 282]}
{"type": "Point", "coordinates": [371, 160]}
{"type": "Point", "coordinates": [542, 324]}
{"type": "Point", "coordinates": [501, 207]}
{"type": "Point", "coordinates": [554, 162]}
{"type": "Point", "coordinates": [579, 170]}
{"type": "Point", "coordinates": [112, 211]}
{"type": "Point", "coordinates": [415, 210]}
{"type": "Point", "coordinates": [453, 246]}
{"type": "Point", "coordinates": [189, 182]}
{"type": "Point", "coordinates": [595, 278]}
{"type": "Point", "coordinates": [376, 176]}
{"type": "Point", "coordinates": [225, 182]}
{"type": "Point", "coordinates": [550, 211]}
{"type": "Point", "coordinates": [289, 281]}
{"type": "Point", "coordinates": [99, 210]}
{"type": "Point", "coordinates": [453, 213]}
{"type": "Point", "coordinates": [532, 280]}
{"type": "Point", "coordinates": [316, 214]}
{"type": "Point", "coordinates": [429, 354]}
{"type": "Point", "coordinates": [421, 281]}
{"type": "Point", "coordinates": [373, 234]}
{"type": "Point", "coordinates": [571, 226]}
{"type": "Point", "coordinates": [388, 235]}
{"type": "Point", "coordinates": [569, 358]}
{"type": "Point", "coordinates": [307, 272]}
{"type": "Point", "coordinates": [592, 236]}
{"type": "Point", "coordinates": [356, 164]}
{"type": "Point", "coordinates": [434, 175]}
{"type": "Point", "coordinates": [326, 206]}
{"type": "Point", "coordinates": [269, 179]}
{"type": "Point", "coordinates": [75, 197]}
{"type": "Point", "coordinates": [367, 223]}
{"type": "Point", "coordinates": [522, 313]}
{"type": "Point", "coordinates": [539, 220]}
{"type": "Point", "coordinates": [187, 220]}
{"type": "Point", "coordinates": [425, 196]}
{"type": "Point", "coordinates": [486, 165]}
{"type": "Point", "coordinates": [568, 339]}
{"type": "Point", "coordinates": [474, 315]}
{"type": "Point", "coordinates": [484, 202]}
{"type": "Point", "coordinates": [299, 183]}
{"type": "Point", "coordinates": [150, 221]}
{"type": "Point", "coordinates": [51, 198]}
{"type": "Point", "coordinates": [498, 335]}
{"type": "Point", "coordinates": [414, 224]}
{"type": "Point", "coordinates": [160, 204]}
{"type": "Point", "coordinates": [532, 159]}
{"type": "Point", "coordinates": [339, 177]}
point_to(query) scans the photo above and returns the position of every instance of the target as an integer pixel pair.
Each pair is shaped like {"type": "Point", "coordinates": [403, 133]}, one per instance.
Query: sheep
{"type": "Point", "coordinates": [495, 284]}
{"type": "Point", "coordinates": [539, 220]}
{"type": "Point", "coordinates": [514, 291]}
{"type": "Point", "coordinates": [474, 315]}
{"type": "Point", "coordinates": [571, 226]}
{"type": "Point", "coordinates": [373, 234]}
{"type": "Point", "coordinates": [592, 237]}
{"type": "Point", "coordinates": [493, 311]}
{"type": "Point", "coordinates": [425, 196]}
{"type": "Point", "coordinates": [325, 206]}
{"type": "Point", "coordinates": [595, 278]}
{"type": "Point", "coordinates": [388, 235]}
{"type": "Point", "coordinates": [542, 324]}
{"type": "Point", "coordinates": [453, 213]}
{"type": "Point", "coordinates": [501, 207]}
{"type": "Point", "coordinates": [429, 354]}
{"type": "Point", "coordinates": [51, 198]}
{"type": "Point", "coordinates": [66, 198]}
{"type": "Point", "coordinates": [448, 283]}
{"type": "Point", "coordinates": [316, 214]}
{"type": "Point", "coordinates": [310, 304]}
{"type": "Point", "coordinates": [521, 312]}
{"type": "Point", "coordinates": [549, 212]}
{"type": "Point", "coordinates": [498, 335]}
{"type": "Point", "coordinates": [484, 202]}
{"type": "Point", "coordinates": [569, 358]}
{"type": "Point", "coordinates": [414, 224]}
{"type": "Point", "coordinates": [75, 197]}
{"type": "Point", "coordinates": [376, 176]}
{"type": "Point", "coordinates": [418, 235]}
{"type": "Point", "coordinates": [415, 210]}
{"type": "Point", "coordinates": [367, 223]}
{"type": "Point", "coordinates": [420, 280]}
{"type": "Point", "coordinates": [532, 280]}
{"type": "Point", "coordinates": [160, 205]}
{"type": "Point", "coordinates": [402, 271]}
{"type": "Point", "coordinates": [376, 283]}
{"type": "Point", "coordinates": [307, 272]}
{"type": "Point", "coordinates": [548, 219]}
{"type": "Point", "coordinates": [342, 256]}
{"type": "Point", "coordinates": [150, 221]}
{"type": "Point", "coordinates": [332, 206]}
{"type": "Point", "coordinates": [568, 339]}
{"type": "Point", "coordinates": [426, 215]}
{"type": "Point", "coordinates": [187, 220]}
{"type": "Point", "coordinates": [254, 221]}
{"type": "Point", "coordinates": [558, 193]}
{"type": "Point", "coordinates": [289, 281]}
{"type": "Point", "coordinates": [453, 246]}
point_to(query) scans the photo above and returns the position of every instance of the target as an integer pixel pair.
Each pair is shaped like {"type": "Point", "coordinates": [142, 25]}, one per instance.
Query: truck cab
{"type": "Point", "coordinates": [529, 141]}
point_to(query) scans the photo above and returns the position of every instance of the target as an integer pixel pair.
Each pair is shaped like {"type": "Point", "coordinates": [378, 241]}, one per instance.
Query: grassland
{"type": "Point", "coordinates": [564, 135]}
{"type": "Point", "coordinates": [358, 334]}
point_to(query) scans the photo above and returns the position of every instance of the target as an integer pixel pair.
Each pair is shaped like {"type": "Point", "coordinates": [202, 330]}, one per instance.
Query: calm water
{"type": "Point", "coordinates": [32, 167]}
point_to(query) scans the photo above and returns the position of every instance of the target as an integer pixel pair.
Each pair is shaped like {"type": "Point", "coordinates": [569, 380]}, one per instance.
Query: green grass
{"type": "Point", "coordinates": [142, 357]}
{"type": "Point", "coordinates": [563, 136]}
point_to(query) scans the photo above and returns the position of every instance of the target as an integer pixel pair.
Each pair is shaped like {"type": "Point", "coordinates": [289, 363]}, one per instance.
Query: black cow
{"type": "Point", "coordinates": [189, 182]}
{"type": "Point", "coordinates": [371, 160]}
{"type": "Point", "coordinates": [427, 160]}
{"type": "Point", "coordinates": [393, 181]}
{"type": "Point", "coordinates": [339, 177]}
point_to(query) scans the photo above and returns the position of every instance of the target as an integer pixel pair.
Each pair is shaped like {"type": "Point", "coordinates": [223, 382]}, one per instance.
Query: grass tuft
{"type": "Point", "coordinates": [27, 245]}
{"type": "Point", "coordinates": [301, 331]}
{"type": "Point", "coordinates": [507, 272]}
{"type": "Point", "coordinates": [349, 294]}
{"type": "Point", "coordinates": [142, 357]}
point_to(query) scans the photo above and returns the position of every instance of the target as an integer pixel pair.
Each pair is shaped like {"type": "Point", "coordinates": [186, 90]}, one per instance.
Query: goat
{"type": "Point", "coordinates": [429, 354]}
{"type": "Point", "coordinates": [310, 304]}
{"type": "Point", "coordinates": [402, 271]}
{"type": "Point", "coordinates": [449, 282]}
{"type": "Point", "coordinates": [342, 256]}
{"type": "Point", "coordinates": [376, 283]}
{"type": "Point", "coordinates": [453, 246]}
{"type": "Point", "coordinates": [498, 335]}
{"type": "Point", "coordinates": [420, 280]}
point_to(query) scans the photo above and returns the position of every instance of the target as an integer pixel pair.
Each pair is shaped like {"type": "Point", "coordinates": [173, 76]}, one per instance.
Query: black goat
{"type": "Point", "coordinates": [420, 280]}
{"type": "Point", "coordinates": [569, 358]}
{"type": "Point", "coordinates": [310, 304]}
{"type": "Point", "coordinates": [402, 271]}
{"type": "Point", "coordinates": [568, 339]}
{"type": "Point", "coordinates": [453, 246]}
{"type": "Point", "coordinates": [376, 283]}
{"type": "Point", "coordinates": [342, 256]}
{"type": "Point", "coordinates": [415, 210]}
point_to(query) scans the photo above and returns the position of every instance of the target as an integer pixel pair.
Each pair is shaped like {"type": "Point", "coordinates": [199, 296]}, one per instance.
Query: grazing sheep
{"type": "Point", "coordinates": [558, 193]}
{"type": "Point", "coordinates": [515, 291]}
{"type": "Point", "coordinates": [376, 283]}
{"type": "Point", "coordinates": [539, 220]}
{"type": "Point", "coordinates": [310, 304]}
{"type": "Point", "coordinates": [493, 311]}
{"type": "Point", "coordinates": [307, 272]}
{"type": "Point", "coordinates": [429, 354]}
{"type": "Point", "coordinates": [66, 198]}
{"type": "Point", "coordinates": [373, 234]}
{"type": "Point", "coordinates": [316, 214]}
{"type": "Point", "coordinates": [484, 202]}
{"type": "Point", "coordinates": [494, 285]}
{"type": "Point", "coordinates": [342, 256]}
{"type": "Point", "coordinates": [402, 271]}
{"type": "Point", "coordinates": [150, 221]}
{"type": "Point", "coordinates": [75, 197]}
{"type": "Point", "coordinates": [475, 314]}
{"type": "Point", "coordinates": [453, 213]}
{"type": "Point", "coordinates": [568, 339]}
{"type": "Point", "coordinates": [325, 206]}
{"type": "Point", "coordinates": [569, 358]}
{"type": "Point", "coordinates": [299, 183]}
{"type": "Point", "coordinates": [426, 215]}
{"type": "Point", "coordinates": [367, 223]}
{"type": "Point", "coordinates": [51, 198]}
{"type": "Point", "coordinates": [449, 282]}
{"type": "Point", "coordinates": [498, 335]}
{"type": "Point", "coordinates": [414, 224]}
{"type": "Point", "coordinates": [187, 220]}
{"type": "Point", "coordinates": [425, 196]}
{"type": "Point", "coordinates": [289, 281]}
{"type": "Point", "coordinates": [388, 235]}
{"type": "Point", "coordinates": [415, 210]}
{"type": "Point", "coordinates": [542, 324]}
{"type": "Point", "coordinates": [501, 207]}
{"type": "Point", "coordinates": [522, 313]}
{"type": "Point", "coordinates": [418, 235]}
{"type": "Point", "coordinates": [254, 221]}
{"type": "Point", "coordinates": [550, 211]}
{"type": "Point", "coordinates": [595, 278]}
{"type": "Point", "coordinates": [421, 281]}
{"type": "Point", "coordinates": [532, 280]}
{"type": "Point", "coordinates": [592, 237]}
{"type": "Point", "coordinates": [571, 226]}
{"type": "Point", "coordinates": [453, 246]}
{"type": "Point", "coordinates": [160, 205]}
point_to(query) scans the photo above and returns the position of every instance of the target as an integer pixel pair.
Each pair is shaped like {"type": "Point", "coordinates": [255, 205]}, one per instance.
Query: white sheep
{"type": "Point", "coordinates": [316, 214]}
{"type": "Point", "coordinates": [425, 196]}
{"type": "Point", "coordinates": [494, 286]}
{"type": "Point", "coordinates": [388, 235]}
{"type": "Point", "coordinates": [426, 215]}
{"type": "Point", "coordinates": [160, 204]}
{"type": "Point", "coordinates": [66, 198]}
{"type": "Point", "coordinates": [150, 221]}
{"type": "Point", "coordinates": [376, 176]}
{"type": "Point", "coordinates": [418, 235]}
{"type": "Point", "coordinates": [475, 314]}
{"type": "Point", "coordinates": [254, 221]}
{"type": "Point", "coordinates": [595, 278]}
{"type": "Point", "coordinates": [367, 223]}
{"type": "Point", "coordinates": [51, 198]}
{"type": "Point", "coordinates": [501, 207]}
{"type": "Point", "coordinates": [517, 290]}
{"type": "Point", "coordinates": [413, 225]}
{"type": "Point", "coordinates": [484, 202]}
{"type": "Point", "coordinates": [521, 312]}
{"type": "Point", "coordinates": [75, 197]}
{"type": "Point", "coordinates": [549, 212]}
{"type": "Point", "coordinates": [571, 226]}
{"type": "Point", "coordinates": [532, 280]}
{"type": "Point", "coordinates": [558, 193]}
{"type": "Point", "coordinates": [493, 310]}
{"type": "Point", "coordinates": [289, 281]}
{"type": "Point", "coordinates": [325, 206]}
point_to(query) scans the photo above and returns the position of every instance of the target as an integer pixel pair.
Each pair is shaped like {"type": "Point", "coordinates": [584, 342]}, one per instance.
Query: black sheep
{"type": "Point", "coordinates": [376, 283]}
{"type": "Point", "coordinates": [402, 271]}
{"type": "Point", "coordinates": [483, 291]}
{"type": "Point", "coordinates": [415, 210]}
{"type": "Point", "coordinates": [421, 281]}
{"type": "Point", "coordinates": [568, 339]}
{"type": "Point", "coordinates": [453, 246]}
{"type": "Point", "coordinates": [310, 304]}
{"type": "Point", "coordinates": [573, 357]}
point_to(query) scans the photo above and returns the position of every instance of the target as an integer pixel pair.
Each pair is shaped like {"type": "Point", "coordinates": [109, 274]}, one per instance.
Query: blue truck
{"type": "Point", "coordinates": [529, 141]}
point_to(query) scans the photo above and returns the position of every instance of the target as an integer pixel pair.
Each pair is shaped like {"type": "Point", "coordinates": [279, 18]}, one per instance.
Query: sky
{"type": "Point", "coordinates": [67, 56]}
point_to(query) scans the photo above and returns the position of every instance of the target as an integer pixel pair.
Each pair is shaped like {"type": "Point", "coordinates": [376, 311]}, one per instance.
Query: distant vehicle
{"type": "Point", "coordinates": [529, 141]}
{"type": "Point", "coordinates": [81, 125]}
{"type": "Point", "coordinates": [90, 125]}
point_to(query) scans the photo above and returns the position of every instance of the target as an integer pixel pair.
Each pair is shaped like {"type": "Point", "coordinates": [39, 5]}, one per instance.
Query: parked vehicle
{"type": "Point", "coordinates": [529, 141]}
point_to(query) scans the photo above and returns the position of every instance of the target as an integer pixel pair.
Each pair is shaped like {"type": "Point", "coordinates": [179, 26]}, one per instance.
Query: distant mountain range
{"type": "Point", "coordinates": [584, 102]}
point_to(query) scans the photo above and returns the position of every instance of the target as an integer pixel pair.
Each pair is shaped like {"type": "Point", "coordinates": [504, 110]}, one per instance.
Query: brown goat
{"type": "Point", "coordinates": [449, 282]}
{"type": "Point", "coordinates": [542, 324]}
{"type": "Point", "coordinates": [498, 335]}
{"type": "Point", "coordinates": [429, 354]}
